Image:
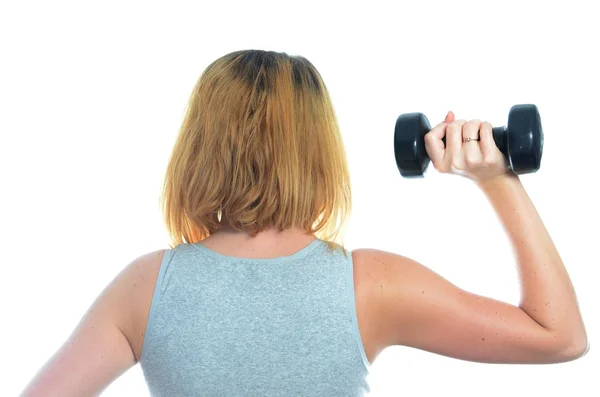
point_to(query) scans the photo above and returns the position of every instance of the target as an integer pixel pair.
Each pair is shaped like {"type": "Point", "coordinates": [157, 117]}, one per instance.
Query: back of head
{"type": "Point", "coordinates": [259, 148]}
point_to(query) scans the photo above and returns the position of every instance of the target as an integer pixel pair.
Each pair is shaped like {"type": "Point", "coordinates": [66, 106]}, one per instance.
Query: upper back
{"type": "Point", "coordinates": [287, 325]}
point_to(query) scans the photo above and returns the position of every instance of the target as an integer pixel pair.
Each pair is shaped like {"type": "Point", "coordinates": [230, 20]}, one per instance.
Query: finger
{"type": "Point", "coordinates": [471, 149]}
{"type": "Point", "coordinates": [439, 131]}
{"type": "Point", "coordinates": [487, 143]}
{"type": "Point", "coordinates": [434, 145]}
{"type": "Point", "coordinates": [454, 137]}
{"type": "Point", "coordinates": [471, 129]}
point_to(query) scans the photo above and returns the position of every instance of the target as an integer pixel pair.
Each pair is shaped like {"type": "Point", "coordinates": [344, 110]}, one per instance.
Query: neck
{"type": "Point", "coordinates": [269, 234]}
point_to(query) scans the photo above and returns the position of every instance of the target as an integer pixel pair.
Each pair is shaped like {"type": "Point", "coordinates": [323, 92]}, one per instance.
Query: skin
{"type": "Point", "coordinates": [398, 300]}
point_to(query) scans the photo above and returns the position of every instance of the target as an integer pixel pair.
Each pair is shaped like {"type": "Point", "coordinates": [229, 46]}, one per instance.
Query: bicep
{"type": "Point", "coordinates": [426, 311]}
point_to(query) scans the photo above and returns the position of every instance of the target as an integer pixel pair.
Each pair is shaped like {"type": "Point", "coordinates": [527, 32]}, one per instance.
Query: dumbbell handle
{"type": "Point", "coordinates": [499, 134]}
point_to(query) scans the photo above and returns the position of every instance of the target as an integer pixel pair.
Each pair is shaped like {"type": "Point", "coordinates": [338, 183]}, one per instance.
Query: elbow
{"type": "Point", "coordinates": [572, 349]}
{"type": "Point", "coordinates": [578, 350]}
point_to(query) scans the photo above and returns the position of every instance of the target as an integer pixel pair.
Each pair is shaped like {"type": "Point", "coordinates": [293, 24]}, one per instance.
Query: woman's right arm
{"type": "Point", "coordinates": [425, 311]}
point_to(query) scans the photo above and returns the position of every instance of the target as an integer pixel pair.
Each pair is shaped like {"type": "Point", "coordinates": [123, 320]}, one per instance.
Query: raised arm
{"type": "Point", "coordinates": [425, 311]}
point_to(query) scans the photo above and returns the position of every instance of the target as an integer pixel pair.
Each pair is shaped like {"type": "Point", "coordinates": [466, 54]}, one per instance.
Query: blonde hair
{"type": "Point", "coordinates": [261, 147]}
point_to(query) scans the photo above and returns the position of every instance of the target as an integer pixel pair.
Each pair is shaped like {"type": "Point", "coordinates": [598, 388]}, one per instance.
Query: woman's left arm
{"type": "Point", "coordinates": [101, 348]}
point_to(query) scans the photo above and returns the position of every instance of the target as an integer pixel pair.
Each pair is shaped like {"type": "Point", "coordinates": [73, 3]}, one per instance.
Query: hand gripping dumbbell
{"type": "Point", "coordinates": [521, 141]}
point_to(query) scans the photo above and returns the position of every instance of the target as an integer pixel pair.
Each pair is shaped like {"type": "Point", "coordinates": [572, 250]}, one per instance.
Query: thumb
{"type": "Point", "coordinates": [449, 117]}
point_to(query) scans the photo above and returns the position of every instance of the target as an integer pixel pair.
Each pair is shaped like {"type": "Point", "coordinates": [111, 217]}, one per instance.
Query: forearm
{"type": "Point", "coordinates": [547, 294]}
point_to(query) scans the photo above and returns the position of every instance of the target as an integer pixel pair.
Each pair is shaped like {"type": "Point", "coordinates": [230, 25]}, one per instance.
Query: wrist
{"type": "Point", "coordinates": [498, 181]}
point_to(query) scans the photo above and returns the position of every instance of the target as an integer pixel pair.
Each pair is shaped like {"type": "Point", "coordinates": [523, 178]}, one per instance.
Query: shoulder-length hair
{"type": "Point", "coordinates": [259, 146]}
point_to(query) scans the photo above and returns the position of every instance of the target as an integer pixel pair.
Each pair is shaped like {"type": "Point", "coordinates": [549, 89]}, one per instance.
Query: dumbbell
{"type": "Point", "coordinates": [521, 141]}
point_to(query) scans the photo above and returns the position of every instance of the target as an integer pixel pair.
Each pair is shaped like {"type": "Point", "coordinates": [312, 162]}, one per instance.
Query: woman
{"type": "Point", "coordinates": [256, 297]}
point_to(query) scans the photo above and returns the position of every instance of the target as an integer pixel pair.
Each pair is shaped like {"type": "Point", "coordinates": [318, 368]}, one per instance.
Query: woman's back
{"type": "Point", "coordinates": [226, 323]}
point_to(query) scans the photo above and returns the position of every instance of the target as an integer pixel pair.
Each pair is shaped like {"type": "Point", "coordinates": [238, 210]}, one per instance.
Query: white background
{"type": "Point", "coordinates": [92, 95]}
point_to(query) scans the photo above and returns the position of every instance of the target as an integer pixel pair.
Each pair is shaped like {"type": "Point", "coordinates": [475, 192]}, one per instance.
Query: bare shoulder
{"type": "Point", "coordinates": [378, 277]}
{"type": "Point", "coordinates": [375, 258]}
{"type": "Point", "coordinates": [381, 269]}
{"type": "Point", "coordinates": [137, 282]}
{"type": "Point", "coordinates": [374, 274]}
{"type": "Point", "coordinates": [127, 299]}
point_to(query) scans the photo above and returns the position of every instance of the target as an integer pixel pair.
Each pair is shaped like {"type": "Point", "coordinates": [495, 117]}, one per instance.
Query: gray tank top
{"type": "Point", "coordinates": [226, 326]}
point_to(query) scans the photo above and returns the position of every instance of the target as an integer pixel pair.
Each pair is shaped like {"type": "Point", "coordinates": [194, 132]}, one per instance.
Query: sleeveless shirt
{"type": "Point", "coordinates": [226, 326]}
